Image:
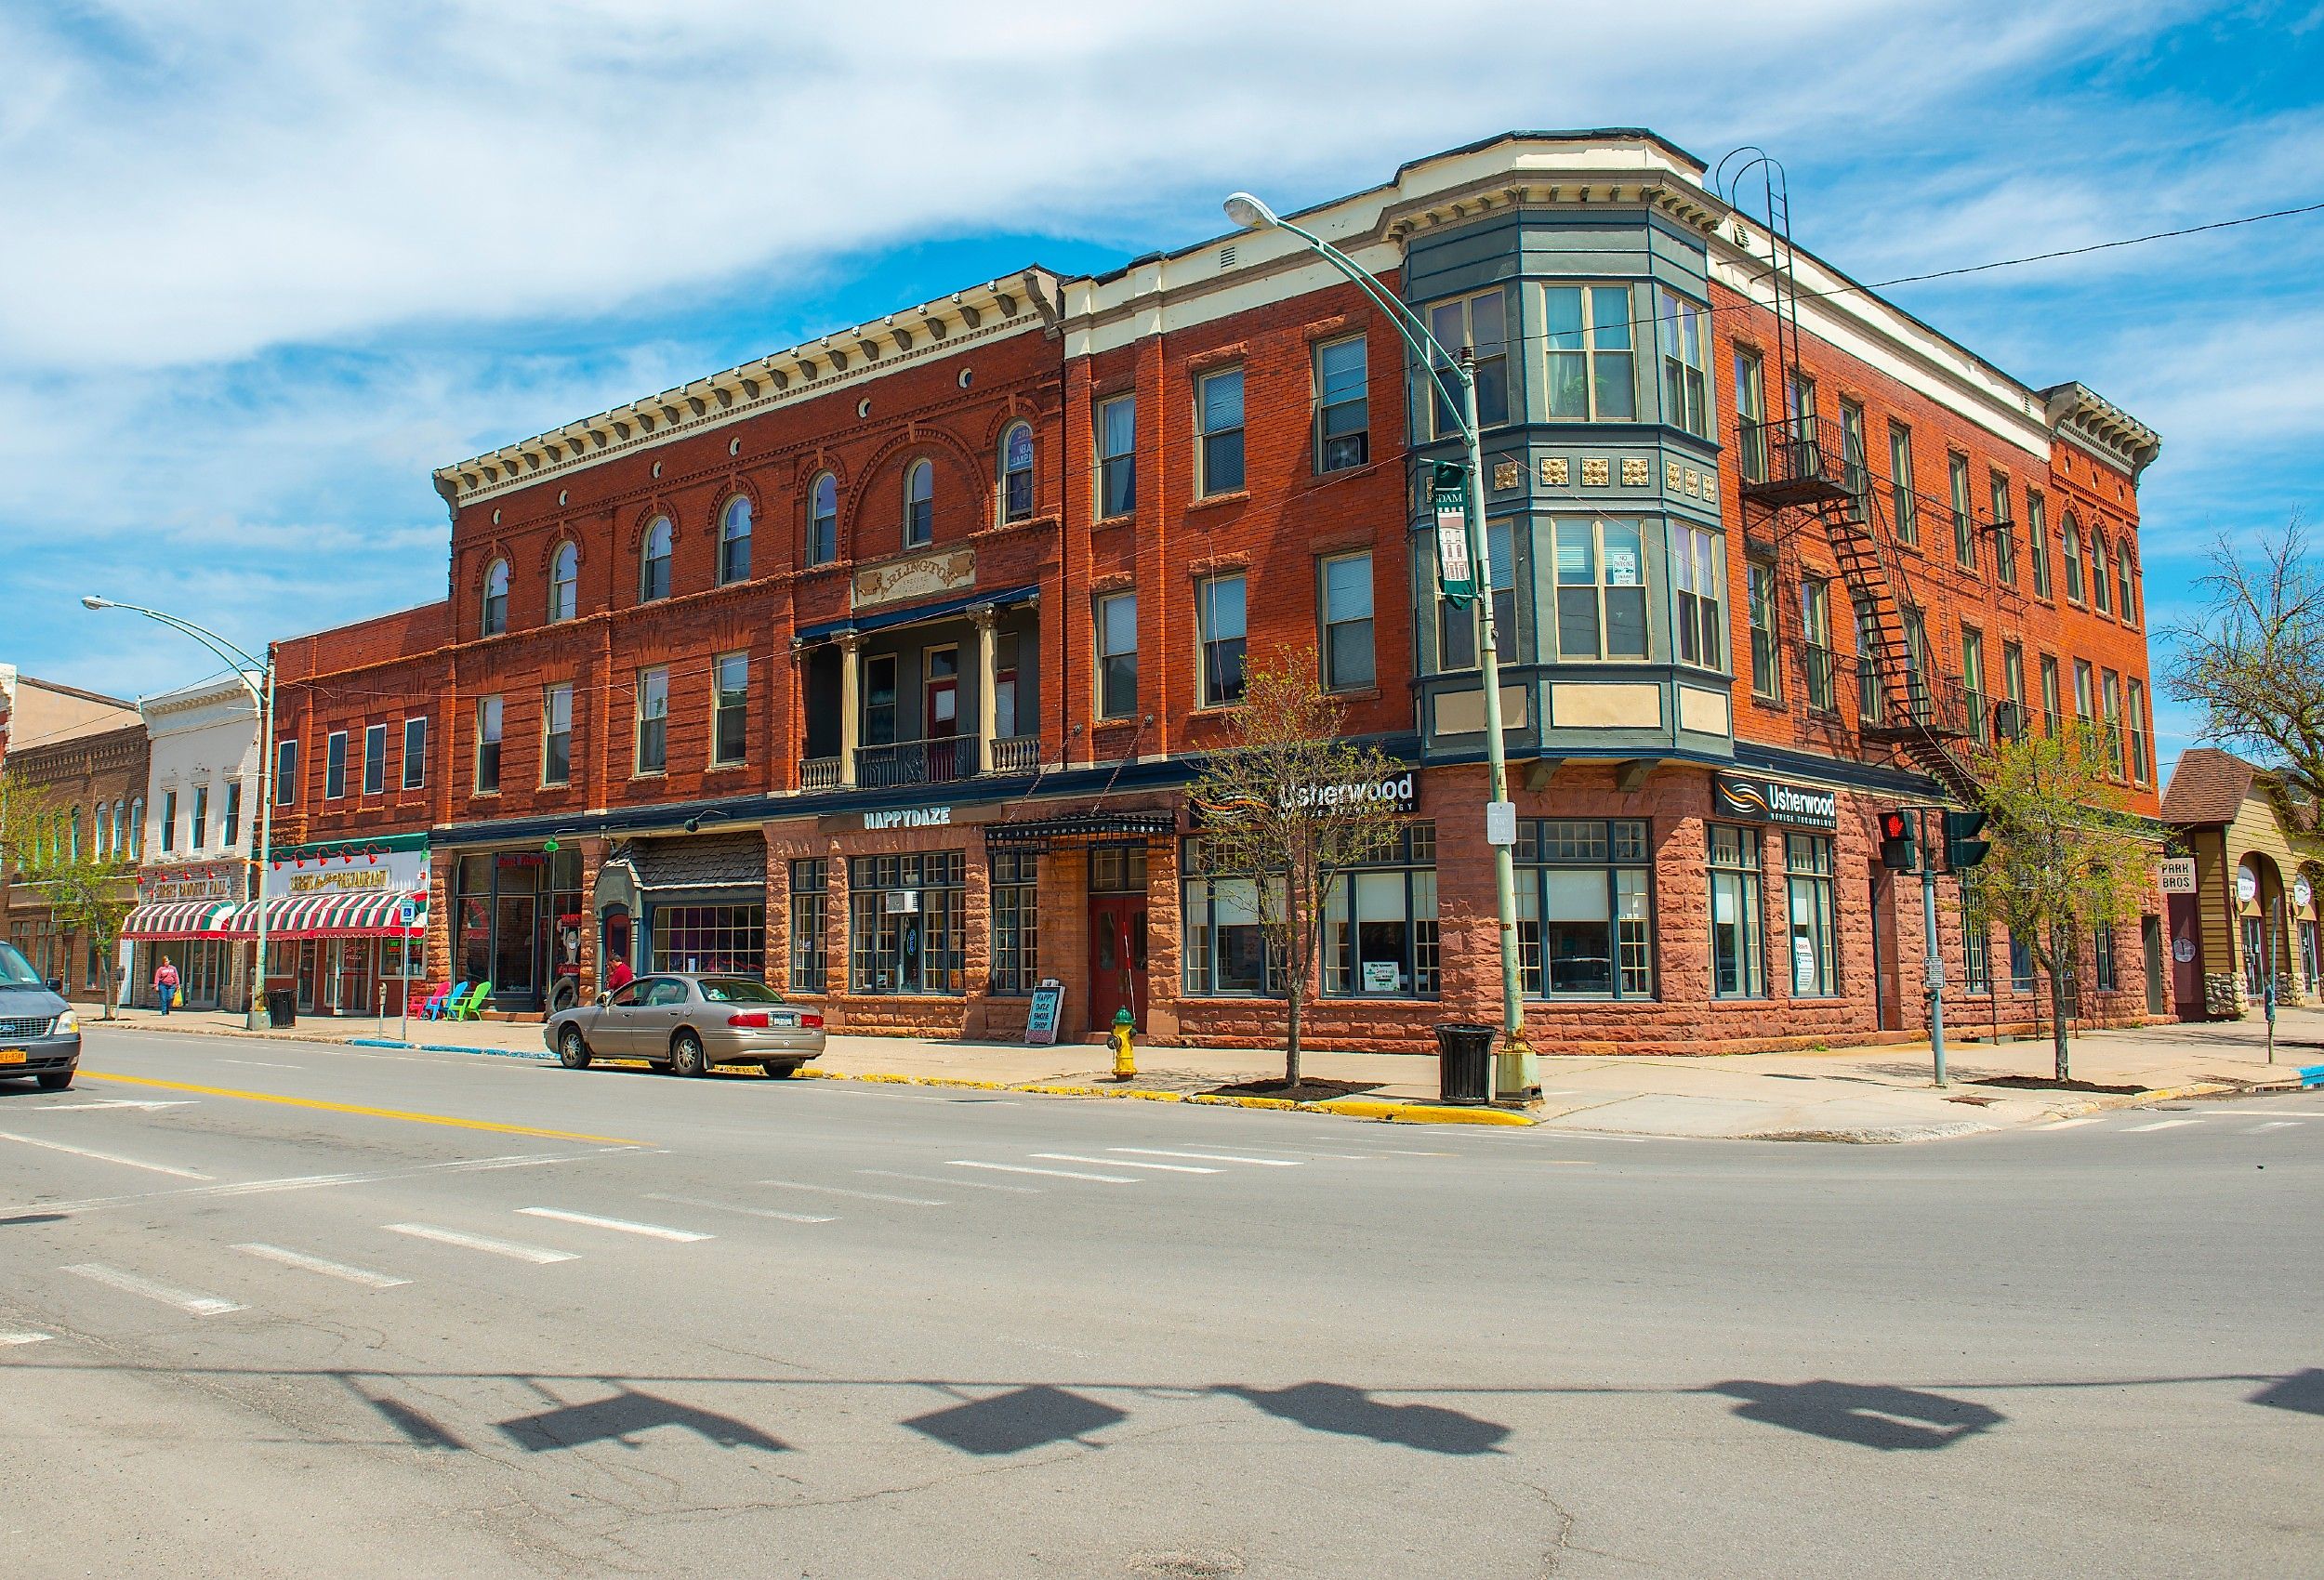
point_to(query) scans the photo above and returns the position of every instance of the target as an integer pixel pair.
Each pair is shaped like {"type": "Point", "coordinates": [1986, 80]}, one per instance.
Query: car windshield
{"type": "Point", "coordinates": [739, 989]}
{"type": "Point", "coordinates": [17, 971]}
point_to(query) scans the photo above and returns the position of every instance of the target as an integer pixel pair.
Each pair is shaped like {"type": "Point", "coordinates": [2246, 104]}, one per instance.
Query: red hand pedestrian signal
{"type": "Point", "coordinates": [1898, 851]}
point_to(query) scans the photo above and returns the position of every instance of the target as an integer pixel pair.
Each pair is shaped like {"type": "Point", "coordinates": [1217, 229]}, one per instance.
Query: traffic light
{"type": "Point", "coordinates": [1963, 849]}
{"type": "Point", "coordinates": [1897, 853]}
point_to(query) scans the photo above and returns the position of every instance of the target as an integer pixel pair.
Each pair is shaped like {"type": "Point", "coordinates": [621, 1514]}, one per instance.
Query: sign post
{"type": "Point", "coordinates": [1930, 953]}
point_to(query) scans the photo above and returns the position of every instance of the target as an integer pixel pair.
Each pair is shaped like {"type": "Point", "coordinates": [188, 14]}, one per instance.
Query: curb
{"type": "Point", "coordinates": [1340, 1107]}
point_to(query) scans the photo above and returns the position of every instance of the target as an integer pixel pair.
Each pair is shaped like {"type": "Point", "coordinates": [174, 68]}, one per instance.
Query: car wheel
{"type": "Point", "coordinates": [572, 1049]}
{"type": "Point", "coordinates": [55, 1080]}
{"type": "Point", "coordinates": [781, 1071]}
{"type": "Point", "coordinates": [686, 1057]}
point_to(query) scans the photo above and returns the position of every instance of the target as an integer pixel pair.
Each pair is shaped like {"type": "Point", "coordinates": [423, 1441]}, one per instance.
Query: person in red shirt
{"type": "Point", "coordinates": [619, 977]}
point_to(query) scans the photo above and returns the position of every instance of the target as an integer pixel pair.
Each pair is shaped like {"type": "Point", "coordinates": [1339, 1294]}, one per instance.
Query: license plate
{"type": "Point", "coordinates": [12, 1056]}
{"type": "Point", "coordinates": [787, 1022]}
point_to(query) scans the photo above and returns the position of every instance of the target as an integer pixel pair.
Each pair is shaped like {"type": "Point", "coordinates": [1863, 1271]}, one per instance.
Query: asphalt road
{"type": "Point", "coordinates": [539, 1322]}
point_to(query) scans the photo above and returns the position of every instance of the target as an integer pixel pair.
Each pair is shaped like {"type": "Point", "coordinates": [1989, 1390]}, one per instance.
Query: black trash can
{"type": "Point", "coordinates": [282, 1006]}
{"type": "Point", "coordinates": [1464, 1061]}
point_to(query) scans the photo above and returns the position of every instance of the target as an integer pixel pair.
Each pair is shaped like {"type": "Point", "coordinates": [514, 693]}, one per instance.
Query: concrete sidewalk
{"type": "Point", "coordinates": [1878, 1094]}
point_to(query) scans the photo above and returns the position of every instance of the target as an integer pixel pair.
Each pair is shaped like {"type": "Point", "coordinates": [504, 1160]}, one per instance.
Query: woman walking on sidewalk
{"type": "Point", "coordinates": [165, 983]}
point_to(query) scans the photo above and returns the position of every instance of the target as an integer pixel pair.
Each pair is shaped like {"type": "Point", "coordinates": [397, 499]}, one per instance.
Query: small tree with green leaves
{"type": "Point", "coordinates": [2067, 855]}
{"type": "Point", "coordinates": [1290, 806]}
{"type": "Point", "coordinates": [91, 895]}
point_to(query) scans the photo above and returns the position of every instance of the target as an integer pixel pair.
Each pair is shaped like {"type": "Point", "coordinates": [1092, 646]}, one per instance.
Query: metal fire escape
{"type": "Point", "coordinates": [1805, 479]}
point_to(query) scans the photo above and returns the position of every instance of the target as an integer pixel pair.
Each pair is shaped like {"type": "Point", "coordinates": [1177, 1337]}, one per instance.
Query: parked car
{"type": "Point", "coordinates": [689, 1022]}
{"type": "Point", "coordinates": [40, 1034]}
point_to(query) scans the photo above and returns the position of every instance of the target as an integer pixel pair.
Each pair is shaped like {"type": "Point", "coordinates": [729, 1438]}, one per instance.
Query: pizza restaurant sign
{"type": "Point", "coordinates": [386, 871]}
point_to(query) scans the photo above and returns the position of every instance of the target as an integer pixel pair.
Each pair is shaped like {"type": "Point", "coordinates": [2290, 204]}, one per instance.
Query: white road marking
{"type": "Point", "coordinates": [323, 1265]}
{"type": "Point", "coordinates": [1213, 1157]}
{"type": "Point", "coordinates": [26, 1338]}
{"type": "Point", "coordinates": [167, 1294]}
{"type": "Point", "coordinates": [1128, 1162]}
{"type": "Point", "coordinates": [738, 1208]}
{"type": "Point", "coordinates": [483, 1243]}
{"type": "Point", "coordinates": [952, 1184]}
{"type": "Point", "coordinates": [2157, 1125]}
{"type": "Point", "coordinates": [2069, 1124]}
{"type": "Point", "coordinates": [858, 1195]}
{"type": "Point", "coordinates": [104, 1157]}
{"type": "Point", "coordinates": [261, 1064]}
{"type": "Point", "coordinates": [309, 1182]}
{"type": "Point", "coordinates": [1054, 1173]}
{"type": "Point", "coordinates": [1427, 1154]}
{"type": "Point", "coordinates": [2271, 1125]}
{"type": "Point", "coordinates": [114, 1102]}
{"type": "Point", "coordinates": [626, 1226]}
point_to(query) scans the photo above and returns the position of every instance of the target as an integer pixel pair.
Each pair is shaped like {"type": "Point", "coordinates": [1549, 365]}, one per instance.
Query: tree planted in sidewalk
{"type": "Point", "coordinates": [2067, 856]}
{"type": "Point", "coordinates": [91, 896]}
{"type": "Point", "coordinates": [2253, 659]}
{"type": "Point", "coordinates": [1287, 806]}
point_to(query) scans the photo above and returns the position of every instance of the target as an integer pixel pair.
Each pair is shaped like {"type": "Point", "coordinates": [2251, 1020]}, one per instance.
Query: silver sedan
{"type": "Point", "coordinates": [688, 1022]}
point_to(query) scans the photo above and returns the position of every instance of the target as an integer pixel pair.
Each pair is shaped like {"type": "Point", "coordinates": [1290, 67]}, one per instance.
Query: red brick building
{"type": "Point", "coordinates": [878, 664]}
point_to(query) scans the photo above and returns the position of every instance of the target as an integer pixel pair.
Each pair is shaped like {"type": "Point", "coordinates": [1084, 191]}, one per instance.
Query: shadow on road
{"type": "Point", "coordinates": [1012, 1422]}
{"type": "Point", "coordinates": [625, 1418]}
{"type": "Point", "coordinates": [1868, 1414]}
{"type": "Point", "coordinates": [1350, 1412]}
{"type": "Point", "coordinates": [2303, 1391]}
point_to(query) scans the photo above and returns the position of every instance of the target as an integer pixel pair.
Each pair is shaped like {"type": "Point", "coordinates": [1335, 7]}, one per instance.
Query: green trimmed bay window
{"type": "Point", "coordinates": [1379, 926]}
{"type": "Point", "coordinates": [1585, 908]}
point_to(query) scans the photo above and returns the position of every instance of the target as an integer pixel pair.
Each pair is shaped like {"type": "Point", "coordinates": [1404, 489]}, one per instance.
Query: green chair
{"type": "Point", "coordinates": [472, 1008]}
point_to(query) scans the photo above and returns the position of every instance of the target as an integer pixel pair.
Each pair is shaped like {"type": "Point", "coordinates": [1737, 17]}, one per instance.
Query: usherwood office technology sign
{"type": "Point", "coordinates": [1771, 800]}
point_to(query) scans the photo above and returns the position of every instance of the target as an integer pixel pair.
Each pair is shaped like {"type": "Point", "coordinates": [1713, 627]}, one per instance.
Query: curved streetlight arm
{"type": "Point", "coordinates": [237, 660]}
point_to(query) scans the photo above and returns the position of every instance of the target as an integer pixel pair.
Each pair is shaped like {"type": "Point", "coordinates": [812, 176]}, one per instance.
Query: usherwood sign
{"type": "Point", "coordinates": [1772, 800]}
{"type": "Point", "coordinates": [1395, 789]}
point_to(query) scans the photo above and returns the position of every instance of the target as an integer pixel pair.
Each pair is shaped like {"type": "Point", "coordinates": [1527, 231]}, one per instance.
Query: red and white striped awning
{"type": "Point", "coordinates": [179, 918]}
{"type": "Point", "coordinates": [332, 916]}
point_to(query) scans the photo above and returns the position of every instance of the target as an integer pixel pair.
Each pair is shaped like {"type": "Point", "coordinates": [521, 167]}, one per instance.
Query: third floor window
{"type": "Point", "coordinates": [919, 503]}
{"type": "Point", "coordinates": [1218, 411]}
{"type": "Point", "coordinates": [653, 562]}
{"type": "Point", "coordinates": [1118, 456]}
{"type": "Point", "coordinates": [1481, 323]}
{"type": "Point", "coordinates": [823, 520]}
{"type": "Point", "coordinates": [1592, 375]}
{"type": "Point", "coordinates": [734, 541]}
{"type": "Point", "coordinates": [1684, 327]}
{"type": "Point", "coordinates": [1219, 621]}
{"type": "Point", "coordinates": [1342, 405]}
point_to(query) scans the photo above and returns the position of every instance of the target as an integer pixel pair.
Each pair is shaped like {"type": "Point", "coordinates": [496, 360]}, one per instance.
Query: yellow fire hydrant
{"type": "Point", "coordinates": [1125, 1053]}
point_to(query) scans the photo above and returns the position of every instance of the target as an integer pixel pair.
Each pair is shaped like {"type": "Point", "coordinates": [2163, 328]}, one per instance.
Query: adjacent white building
{"type": "Point", "coordinates": [193, 861]}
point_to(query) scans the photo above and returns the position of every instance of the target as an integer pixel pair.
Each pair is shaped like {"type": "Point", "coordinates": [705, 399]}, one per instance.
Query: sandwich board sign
{"type": "Point", "coordinates": [1048, 1005]}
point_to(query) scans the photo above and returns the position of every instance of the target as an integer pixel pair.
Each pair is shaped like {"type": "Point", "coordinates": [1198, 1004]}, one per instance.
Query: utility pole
{"type": "Point", "coordinates": [1933, 957]}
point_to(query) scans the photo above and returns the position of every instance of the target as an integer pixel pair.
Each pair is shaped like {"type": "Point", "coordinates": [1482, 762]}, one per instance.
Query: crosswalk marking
{"type": "Point", "coordinates": [103, 1157]}
{"type": "Point", "coordinates": [2157, 1125]}
{"type": "Point", "coordinates": [738, 1207]}
{"type": "Point", "coordinates": [1127, 1163]}
{"type": "Point", "coordinates": [2069, 1124]}
{"type": "Point", "coordinates": [2271, 1125]}
{"type": "Point", "coordinates": [620, 1225]}
{"type": "Point", "coordinates": [1054, 1173]}
{"type": "Point", "coordinates": [154, 1289]}
{"type": "Point", "coordinates": [857, 1195]}
{"type": "Point", "coordinates": [26, 1338]}
{"type": "Point", "coordinates": [522, 1253]}
{"type": "Point", "coordinates": [323, 1265]}
{"type": "Point", "coordinates": [954, 1184]}
{"type": "Point", "coordinates": [1212, 1157]}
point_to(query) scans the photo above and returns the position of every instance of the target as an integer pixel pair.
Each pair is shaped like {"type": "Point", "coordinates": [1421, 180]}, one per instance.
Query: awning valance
{"type": "Point", "coordinates": [332, 916]}
{"type": "Point", "coordinates": [1080, 828]}
{"type": "Point", "coordinates": [179, 918]}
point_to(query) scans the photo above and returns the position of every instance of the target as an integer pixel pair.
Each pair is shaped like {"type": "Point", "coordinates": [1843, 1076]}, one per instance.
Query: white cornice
{"type": "Point", "coordinates": [994, 310]}
{"type": "Point", "coordinates": [2090, 421]}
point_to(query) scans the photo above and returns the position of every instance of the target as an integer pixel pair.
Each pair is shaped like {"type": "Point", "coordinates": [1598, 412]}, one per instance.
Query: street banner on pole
{"type": "Point", "coordinates": [1448, 494]}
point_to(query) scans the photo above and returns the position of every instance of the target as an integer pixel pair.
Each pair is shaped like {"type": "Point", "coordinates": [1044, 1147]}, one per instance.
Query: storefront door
{"type": "Point", "coordinates": [310, 966]}
{"type": "Point", "coordinates": [1886, 986]}
{"type": "Point", "coordinates": [516, 950]}
{"type": "Point", "coordinates": [1117, 958]}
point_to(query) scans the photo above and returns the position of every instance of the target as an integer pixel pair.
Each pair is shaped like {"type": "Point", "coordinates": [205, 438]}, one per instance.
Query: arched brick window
{"type": "Point", "coordinates": [1016, 473]}
{"type": "Point", "coordinates": [734, 541]}
{"type": "Point", "coordinates": [495, 598]}
{"type": "Point", "coordinates": [919, 503]}
{"type": "Point", "coordinates": [654, 562]}
{"type": "Point", "coordinates": [564, 583]}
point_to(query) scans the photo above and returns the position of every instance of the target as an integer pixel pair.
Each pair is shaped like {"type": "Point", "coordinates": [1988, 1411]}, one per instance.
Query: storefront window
{"type": "Point", "coordinates": [1739, 954]}
{"type": "Point", "coordinates": [1976, 960]}
{"type": "Point", "coordinates": [904, 932]}
{"type": "Point", "coordinates": [1016, 922]}
{"type": "Point", "coordinates": [517, 916]}
{"type": "Point", "coordinates": [2021, 965]}
{"type": "Point", "coordinates": [810, 900]}
{"type": "Point", "coordinates": [731, 939]}
{"type": "Point", "coordinates": [1808, 880]}
{"type": "Point", "coordinates": [1226, 954]}
{"type": "Point", "coordinates": [1380, 929]}
{"type": "Point", "coordinates": [1584, 917]}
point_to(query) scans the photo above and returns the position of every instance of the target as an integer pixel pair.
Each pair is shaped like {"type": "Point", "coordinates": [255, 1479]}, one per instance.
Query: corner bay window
{"type": "Point", "coordinates": [809, 899]}
{"type": "Point", "coordinates": [1226, 952]}
{"type": "Point", "coordinates": [1584, 908]}
{"type": "Point", "coordinates": [904, 933]}
{"type": "Point", "coordinates": [1016, 912]}
{"type": "Point", "coordinates": [1684, 326]}
{"type": "Point", "coordinates": [1815, 938]}
{"type": "Point", "coordinates": [1588, 334]}
{"type": "Point", "coordinates": [1739, 955]}
{"type": "Point", "coordinates": [1457, 628]}
{"type": "Point", "coordinates": [1698, 585]}
{"type": "Point", "coordinates": [1601, 591]}
{"type": "Point", "coordinates": [1379, 926]}
{"type": "Point", "coordinates": [1481, 323]}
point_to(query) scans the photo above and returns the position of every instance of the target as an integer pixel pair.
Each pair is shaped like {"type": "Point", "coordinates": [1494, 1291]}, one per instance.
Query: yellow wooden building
{"type": "Point", "coordinates": [2258, 852]}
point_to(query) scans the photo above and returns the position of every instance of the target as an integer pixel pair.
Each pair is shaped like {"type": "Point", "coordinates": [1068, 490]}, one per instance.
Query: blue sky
{"type": "Point", "coordinates": [267, 265]}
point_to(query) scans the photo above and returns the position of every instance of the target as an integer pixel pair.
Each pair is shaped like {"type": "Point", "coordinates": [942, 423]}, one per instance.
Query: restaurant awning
{"type": "Point", "coordinates": [179, 918]}
{"type": "Point", "coordinates": [332, 916]}
{"type": "Point", "coordinates": [1080, 828]}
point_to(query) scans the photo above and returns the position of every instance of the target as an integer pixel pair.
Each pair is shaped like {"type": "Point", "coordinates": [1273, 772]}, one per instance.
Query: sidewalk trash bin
{"type": "Point", "coordinates": [282, 1006]}
{"type": "Point", "coordinates": [1464, 1061]}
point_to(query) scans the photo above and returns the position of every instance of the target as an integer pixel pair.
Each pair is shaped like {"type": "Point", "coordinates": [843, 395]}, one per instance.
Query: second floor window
{"type": "Point", "coordinates": [335, 765]}
{"type": "Point", "coordinates": [287, 773]}
{"type": "Point", "coordinates": [823, 520]}
{"type": "Point", "coordinates": [2137, 718]}
{"type": "Point", "coordinates": [495, 598]}
{"type": "Point", "coordinates": [2010, 718]}
{"type": "Point", "coordinates": [1118, 456]}
{"type": "Point", "coordinates": [2037, 542]}
{"type": "Point", "coordinates": [1972, 679]}
{"type": "Point", "coordinates": [1219, 617]}
{"type": "Point", "coordinates": [564, 583]}
{"type": "Point", "coordinates": [487, 745]}
{"type": "Point", "coordinates": [1481, 323]}
{"type": "Point", "coordinates": [2123, 582]}
{"type": "Point", "coordinates": [375, 759]}
{"type": "Point", "coordinates": [1218, 411]}
{"type": "Point", "coordinates": [234, 816]}
{"type": "Point", "coordinates": [169, 821]}
{"type": "Point", "coordinates": [734, 541]}
{"type": "Point", "coordinates": [2101, 594]}
{"type": "Point", "coordinates": [414, 754]}
{"type": "Point", "coordinates": [201, 818]}
{"type": "Point", "coordinates": [557, 735]}
{"type": "Point", "coordinates": [1698, 583]}
{"type": "Point", "coordinates": [1342, 406]}
{"type": "Point", "coordinates": [1856, 476]}
{"type": "Point", "coordinates": [1964, 525]}
{"type": "Point", "coordinates": [1457, 640]}
{"type": "Point", "coordinates": [2049, 695]}
{"type": "Point", "coordinates": [2004, 534]}
{"type": "Point", "coordinates": [2070, 555]}
{"type": "Point", "coordinates": [1591, 373]}
{"type": "Point", "coordinates": [1903, 503]}
{"type": "Point", "coordinates": [919, 503]}
{"type": "Point", "coordinates": [1684, 326]}
{"type": "Point", "coordinates": [1816, 639]}
{"type": "Point", "coordinates": [653, 562]}
{"type": "Point", "coordinates": [1750, 415]}
{"type": "Point", "coordinates": [653, 719]}
{"type": "Point", "coordinates": [1348, 661]}
{"type": "Point", "coordinates": [1766, 669]}
{"type": "Point", "coordinates": [1016, 473]}
{"type": "Point", "coordinates": [1601, 591]}
{"type": "Point", "coordinates": [730, 709]}
{"type": "Point", "coordinates": [1117, 655]}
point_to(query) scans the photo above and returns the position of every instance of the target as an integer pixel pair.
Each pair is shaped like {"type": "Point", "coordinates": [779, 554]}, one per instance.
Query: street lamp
{"type": "Point", "coordinates": [255, 1016]}
{"type": "Point", "coordinates": [1517, 1072]}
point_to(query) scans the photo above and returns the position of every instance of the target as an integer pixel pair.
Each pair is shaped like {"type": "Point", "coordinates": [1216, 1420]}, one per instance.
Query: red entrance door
{"type": "Point", "coordinates": [1117, 958]}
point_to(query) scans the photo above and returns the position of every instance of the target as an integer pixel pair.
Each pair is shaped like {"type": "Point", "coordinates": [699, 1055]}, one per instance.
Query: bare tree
{"type": "Point", "coordinates": [2067, 856]}
{"type": "Point", "coordinates": [2253, 660]}
{"type": "Point", "coordinates": [1287, 806]}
